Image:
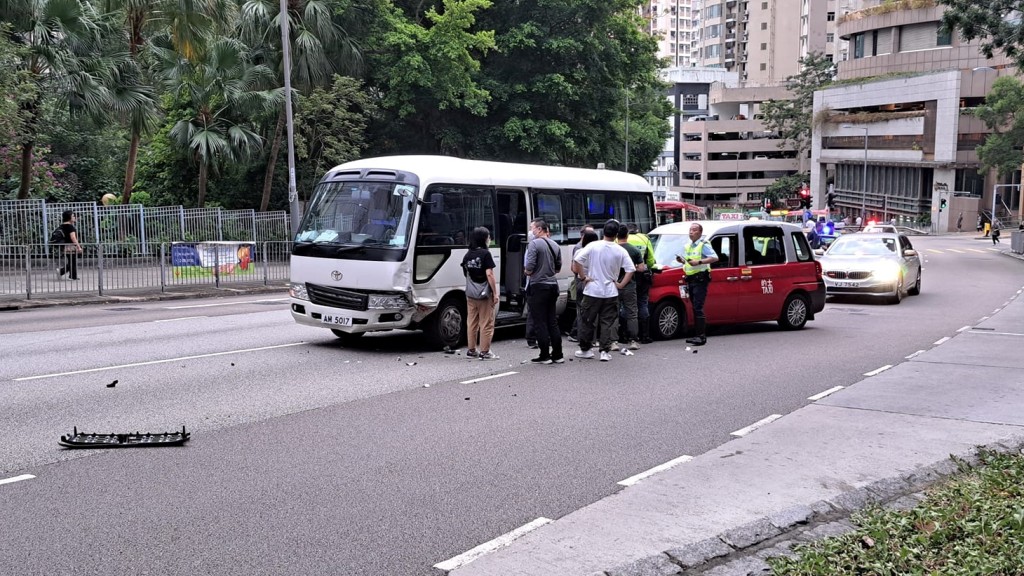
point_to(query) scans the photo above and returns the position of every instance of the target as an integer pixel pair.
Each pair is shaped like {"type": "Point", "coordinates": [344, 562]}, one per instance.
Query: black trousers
{"type": "Point", "coordinates": [70, 266]}
{"type": "Point", "coordinates": [698, 294]}
{"type": "Point", "coordinates": [542, 316]}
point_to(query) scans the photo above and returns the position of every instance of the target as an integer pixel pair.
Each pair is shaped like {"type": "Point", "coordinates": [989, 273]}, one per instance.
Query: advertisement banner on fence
{"type": "Point", "coordinates": [192, 259]}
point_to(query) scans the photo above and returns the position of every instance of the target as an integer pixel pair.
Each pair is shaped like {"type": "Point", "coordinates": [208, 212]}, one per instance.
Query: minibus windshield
{"type": "Point", "coordinates": [376, 214]}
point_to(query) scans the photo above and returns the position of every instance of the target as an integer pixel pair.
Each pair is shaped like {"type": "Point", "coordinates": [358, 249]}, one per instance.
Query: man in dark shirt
{"type": "Point", "coordinates": [628, 309]}
{"type": "Point", "coordinates": [71, 246]}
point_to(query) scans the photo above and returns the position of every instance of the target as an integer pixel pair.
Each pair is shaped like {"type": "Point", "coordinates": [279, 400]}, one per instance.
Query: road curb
{"type": "Point", "coordinates": [86, 299]}
{"type": "Point", "coordinates": [744, 550]}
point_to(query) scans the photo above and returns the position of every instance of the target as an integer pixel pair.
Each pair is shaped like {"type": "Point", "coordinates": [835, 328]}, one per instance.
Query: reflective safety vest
{"type": "Point", "coordinates": [695, 251]}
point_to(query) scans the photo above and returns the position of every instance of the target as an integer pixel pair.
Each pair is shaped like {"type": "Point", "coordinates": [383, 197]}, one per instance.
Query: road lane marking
{"type": "Point", "coordinates": [17, 479]}
{"type": "Point", "coordinates": [997, 333]}
{"type": "Point", "coordinates": [491, 377]}
{"type": "Point", "coordinates": [941, 340]}
{"type": "Point", "coordinates": [877, 371]}
{"type": "Point", "coordinates": [659, 468]}
{"type": "Point", "coordinates": [821, 395]}
{"type": "Point", "coordinates": [996, 311]}
{"type": "Point", "coordinates": [486, 547]}
{"type": "Point", "coordinates": [955, 250]}
{"type": "Point", "coordinates": [182, 318]}
{"type": "Point", "coordinates": [744, 431]}
{"type": "Point", "coordinates": [224, 304]}
{"type": "Point", "coordinates": [151, 362]}
{"type": "Point", "coordinates": [976, 250]}
{"type": "Point", "coordinates": [963, 328]}
{"type": "Point", "coordinates": [915, 354]}
{"type": "Point", "coordinates": [934, 250]}
{"type": "Point", "coordinates": [983, 318]}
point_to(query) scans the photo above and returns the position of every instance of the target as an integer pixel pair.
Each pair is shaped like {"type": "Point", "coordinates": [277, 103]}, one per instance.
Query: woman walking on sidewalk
{"type": "Point", "coordinates": [71, 247]}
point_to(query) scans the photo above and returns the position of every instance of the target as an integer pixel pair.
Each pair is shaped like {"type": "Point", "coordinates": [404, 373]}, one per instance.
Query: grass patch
{"type": "Point", "coordinates": [972, 524]}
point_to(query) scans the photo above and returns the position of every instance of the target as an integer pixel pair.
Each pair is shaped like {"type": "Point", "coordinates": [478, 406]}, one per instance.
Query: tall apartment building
{"type": "Point", "coordinates": [671, 21]}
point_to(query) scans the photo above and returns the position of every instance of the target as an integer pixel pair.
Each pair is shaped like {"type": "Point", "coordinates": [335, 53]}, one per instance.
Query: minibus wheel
{"type": "Point", "coordinates": [446, 326]}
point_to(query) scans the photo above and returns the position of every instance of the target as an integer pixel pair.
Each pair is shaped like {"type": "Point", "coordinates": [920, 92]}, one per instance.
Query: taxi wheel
{"type": "Point", "coordinates": [446, 326]}
{"type": "Point", "coordinates": [794, 312]}
{"type": "Point", "coordinates": [897, 295]}
{"type": "Point", "coordinates": [668, 320]}
{"type": "Point", "coordinates": [348, 338]}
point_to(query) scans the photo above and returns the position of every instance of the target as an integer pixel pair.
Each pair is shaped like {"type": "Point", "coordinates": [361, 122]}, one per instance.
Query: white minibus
{"type": "Point", "coordinates": [381, 244]}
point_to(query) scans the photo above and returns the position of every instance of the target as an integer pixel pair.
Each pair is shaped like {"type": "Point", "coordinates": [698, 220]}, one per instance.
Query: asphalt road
{"type": "Point", "coordinates": [311, 458]}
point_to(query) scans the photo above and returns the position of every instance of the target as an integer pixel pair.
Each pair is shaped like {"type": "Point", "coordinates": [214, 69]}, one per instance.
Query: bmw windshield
{"type": "Point", "coordinates": [359, 214]}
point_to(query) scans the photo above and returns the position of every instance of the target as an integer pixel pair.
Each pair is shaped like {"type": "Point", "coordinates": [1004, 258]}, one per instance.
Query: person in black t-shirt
{"type": "Point", "coordinates": [71, 246]}
{"type": "Point", "coordinates": [481, 294]}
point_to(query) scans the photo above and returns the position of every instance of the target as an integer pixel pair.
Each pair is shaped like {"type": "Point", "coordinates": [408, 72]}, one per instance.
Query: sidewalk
{"type": "Point", "coordinates": [883, 439]}
{"type": "Point", "coordinates": [138, 295]}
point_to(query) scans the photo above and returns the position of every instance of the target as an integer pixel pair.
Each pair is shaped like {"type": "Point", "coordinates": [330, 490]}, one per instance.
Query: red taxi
{"type": "Point", "coordinates": [766, 271]}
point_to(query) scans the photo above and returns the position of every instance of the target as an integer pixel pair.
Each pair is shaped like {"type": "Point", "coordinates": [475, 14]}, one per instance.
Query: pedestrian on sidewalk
{"type": "Point", "coordinates": [72, 248]}
{"type": "Point", "coordinates": [960, 222]}
{"type": "Point", "coordinates": [599, 264]}
{"type": "Point", "coordinates": [481, 294]}
{"type": "Point", "coordinates": [543, 261]}
{"type": "Point", "coordinates": [995, 236]}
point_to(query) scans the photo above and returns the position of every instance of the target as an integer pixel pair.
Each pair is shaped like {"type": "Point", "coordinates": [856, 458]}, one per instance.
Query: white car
{"type": "Point", "coordinates": [882, 265]}
{"type": "Point", "coordinates": [888, 228]}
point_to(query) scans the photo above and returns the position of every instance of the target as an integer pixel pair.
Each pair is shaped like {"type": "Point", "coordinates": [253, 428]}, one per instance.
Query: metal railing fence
{"type": "Point", "coordinates": [135, 227]}
{"type": "Point", "coordinates": [31, 270]}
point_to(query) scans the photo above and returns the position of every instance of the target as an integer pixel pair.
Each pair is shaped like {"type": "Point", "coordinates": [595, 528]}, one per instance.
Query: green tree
{"type": "Point", "coordinates": [558, 78]}
{"type": "Point", "coordinates": [996, 23]}
{"type": "Point", "coordinates": [792, 119]}
{"type": "Point", "coordinates": [331, 127]}
{"type": "Point", "coordinates": [225, 91]}
{"type": "Point", "coordinates": [1003, 113]}
{"type": "Point", "coordinates": [319, 47]}
{"type": "Point", "coordinates": [187, 23]}
{"type": "Point", "coordinates": [785, 187]}
{"type": "Point", "coordinates": [16, 90]}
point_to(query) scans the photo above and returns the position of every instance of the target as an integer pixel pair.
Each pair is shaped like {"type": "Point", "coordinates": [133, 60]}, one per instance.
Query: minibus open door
{"type": "Point", "coordinates": [514, 277]}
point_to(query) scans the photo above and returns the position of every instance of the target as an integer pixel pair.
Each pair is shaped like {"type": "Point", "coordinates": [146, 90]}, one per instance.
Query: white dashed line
{"type": "Point", "coordinates": [983, 318]}
{"type": "Point", "coordinates": [182, 318]}
{"type": "Point", "coordinates": [660, 468]}
{"type": "Point", "coordinates": [914, 355]}
{"type": "Point", "coordinates": [998, 333]}
{"type": "Point", "coordinates": [941, 340]}
{"type": "Point", "coordinates": [499, 542]}
{"type": "Point", "coordinates": [491, 377]}
{"type": "Point", "coordinates": [17, 479]}
{"type": "Point", "coordinates": [877, 371]}
{"type": "Point", "coordinates": [955, 250]}
{"type": "Point", "coordinates": [961, 329]}
{"type": "Point", "coordinates": [151, 362]}
{"type": "Point", "coordinates": [996, 311]}
{"type": "Point", "coordinates": [821, 395]}
{"type": "Point", "coordinates": [744, 431]}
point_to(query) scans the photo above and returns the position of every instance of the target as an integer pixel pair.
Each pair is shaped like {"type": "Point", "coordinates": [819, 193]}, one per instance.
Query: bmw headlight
{"type": "Point", "coordinates": [388, 302]}
{"type": "Point", "coordinates": [888, 271]}
{"type": "Point", "coordinates": [298, 290]}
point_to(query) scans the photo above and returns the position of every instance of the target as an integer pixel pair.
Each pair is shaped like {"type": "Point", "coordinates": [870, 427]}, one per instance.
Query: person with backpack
{"type": "Point", "coordinates": [543, 261]}
{"type": "Point", "coordinates": [481, 294]}
{"type": "Point", "coordinates": [67, 239]}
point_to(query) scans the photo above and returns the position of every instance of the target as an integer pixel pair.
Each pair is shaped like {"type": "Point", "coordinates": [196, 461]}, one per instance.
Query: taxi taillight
{"type": "Point", "coordinates": [817, 269]}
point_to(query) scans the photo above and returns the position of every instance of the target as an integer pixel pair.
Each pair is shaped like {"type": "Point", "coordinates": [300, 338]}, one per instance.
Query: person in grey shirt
{"type": "Point", "coordinates": [543, 261]}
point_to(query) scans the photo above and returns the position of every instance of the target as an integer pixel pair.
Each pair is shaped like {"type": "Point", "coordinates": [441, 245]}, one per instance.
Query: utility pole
{"type": "Point", "coordinates": [286, 56]}
{"type": "Point", "coordinates": [625, 166]}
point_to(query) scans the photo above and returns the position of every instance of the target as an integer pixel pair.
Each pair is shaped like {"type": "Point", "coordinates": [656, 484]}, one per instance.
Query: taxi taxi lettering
{"type": "Point", "coordinates": [766, 287]}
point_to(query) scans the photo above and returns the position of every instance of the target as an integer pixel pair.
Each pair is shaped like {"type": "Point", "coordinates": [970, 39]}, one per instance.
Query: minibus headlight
{"type": "Point", "coordinates": [388, 302]}
{"type": "Point", "coordinates": [298, 290]}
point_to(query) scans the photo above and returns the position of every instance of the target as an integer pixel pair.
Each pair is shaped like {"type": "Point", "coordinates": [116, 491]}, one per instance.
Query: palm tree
{"type": "Point", "coordinates": [225, 90]}
{"type": "Point", "coordinates": [62, 41]}
{"type": "Point", "coordinates": [320, 47]}
{"type": "Point", "coordinates": [187, 24]}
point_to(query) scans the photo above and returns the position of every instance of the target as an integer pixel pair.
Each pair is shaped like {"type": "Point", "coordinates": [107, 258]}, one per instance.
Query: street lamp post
{"type": "Point", "coordinates": [286, 58]}
{"type": "Point", "coordinates": [625, 166]}
{"type": "Point", "coordinates": [864, 183]}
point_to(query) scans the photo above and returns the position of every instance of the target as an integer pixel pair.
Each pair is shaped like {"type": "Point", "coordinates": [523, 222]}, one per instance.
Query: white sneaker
{"type": "Point", "coordinates": [586, 355]}
{"type": "Point", "coordinates": [605, 357]}
{"type": "Point", "coordinates": [634, 345]}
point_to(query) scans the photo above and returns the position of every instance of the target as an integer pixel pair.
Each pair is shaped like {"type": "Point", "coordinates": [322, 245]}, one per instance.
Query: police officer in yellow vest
{"type": "Point", "coordinates": [697, 261]}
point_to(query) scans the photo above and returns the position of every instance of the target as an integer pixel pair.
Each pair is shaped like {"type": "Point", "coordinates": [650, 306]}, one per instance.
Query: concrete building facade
{"type": "Point", "coordinates": [895, 138]}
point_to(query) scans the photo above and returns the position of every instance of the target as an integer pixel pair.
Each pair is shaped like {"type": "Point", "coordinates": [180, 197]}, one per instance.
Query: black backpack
{"type": "Point", "coordinates": [57, 236]}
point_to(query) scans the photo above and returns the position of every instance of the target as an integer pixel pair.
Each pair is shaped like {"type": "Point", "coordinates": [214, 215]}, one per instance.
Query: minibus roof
{"type": "Point", "coordinates": [449, 169]}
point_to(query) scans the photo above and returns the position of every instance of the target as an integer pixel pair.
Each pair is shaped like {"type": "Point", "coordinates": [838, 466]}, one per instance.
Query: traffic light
{"type": "Point", "coordinates": [768, 203]}
{"type": "Point", "coordinates": [805, 197]}
{"type": "Point", "coordinates": [831, 201]}
{"type": "Point", "coordinates": [942, 204]}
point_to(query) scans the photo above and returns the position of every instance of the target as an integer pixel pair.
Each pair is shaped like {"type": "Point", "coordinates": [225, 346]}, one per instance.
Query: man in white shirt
{"type": "Point", "coordinates": [599, 265]}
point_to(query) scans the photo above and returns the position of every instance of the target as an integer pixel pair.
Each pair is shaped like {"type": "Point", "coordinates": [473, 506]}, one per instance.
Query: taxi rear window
{"type": "Point", "coordinates": [801, 247]}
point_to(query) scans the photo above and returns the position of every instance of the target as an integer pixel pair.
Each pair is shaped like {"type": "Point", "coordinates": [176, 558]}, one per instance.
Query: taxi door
{"type": "Point", "coordinates": [762, 274]}
{"type": "Point", "coordinates": [725, 287]}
